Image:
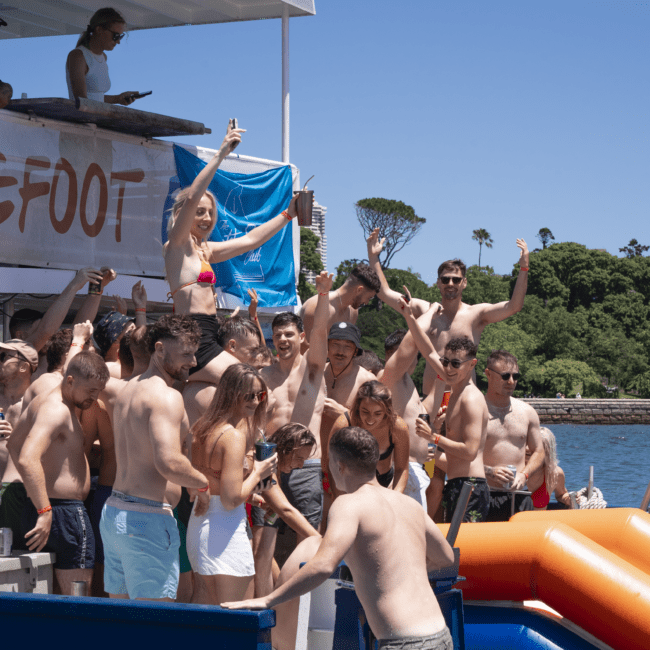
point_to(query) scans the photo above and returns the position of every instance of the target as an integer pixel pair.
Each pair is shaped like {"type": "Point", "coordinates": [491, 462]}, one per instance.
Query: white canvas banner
{"type": "Point", "coordinates": [77, 196]}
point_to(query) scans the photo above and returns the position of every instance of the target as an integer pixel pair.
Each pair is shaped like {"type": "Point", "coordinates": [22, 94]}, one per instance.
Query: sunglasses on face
{"type": "Point", "coordinates": [455, 363]}
{"type": "Point", "coordinates": [506, 375]}
{"type": "Point", "coordinates": [117, 37]}
{"type": "Point", "coordinates": [261, 396]}
{"type": "Point", "coordinates": [446, 279]}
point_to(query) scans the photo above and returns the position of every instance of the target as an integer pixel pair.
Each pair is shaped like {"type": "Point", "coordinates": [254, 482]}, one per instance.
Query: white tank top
{"type": "Point", "coordinates": [97, 80]}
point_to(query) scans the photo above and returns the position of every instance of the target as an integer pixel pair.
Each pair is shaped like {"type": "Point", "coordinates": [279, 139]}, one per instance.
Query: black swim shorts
{"type": "Point", "coordinates": [479, 500]}
{"type": "Point", "coordinates": [209, 346]}
{"type": "Point", "coordinates": [71, 535]}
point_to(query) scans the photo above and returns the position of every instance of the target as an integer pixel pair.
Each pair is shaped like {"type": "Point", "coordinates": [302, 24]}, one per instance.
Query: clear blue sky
{"type": "Point", "coordinates": [507, 115]}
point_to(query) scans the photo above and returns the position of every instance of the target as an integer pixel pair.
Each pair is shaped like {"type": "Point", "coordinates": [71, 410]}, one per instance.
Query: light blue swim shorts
{"type": "Point", "coordinates": [141, 543]}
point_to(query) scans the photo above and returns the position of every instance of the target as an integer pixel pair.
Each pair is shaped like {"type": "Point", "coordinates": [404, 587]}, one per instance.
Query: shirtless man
{"type": "Point", "coordinates": [466, 420]}
{"type": "Point", "coordinates": [407, 404]}
{"type": "Point", "coordinates": [360, 287]}
{"type": "Point", "coordinates": [452, 318]}
{"type": "Point", "coordinates": [18, 360]}
{"type": "Point", "coordinates": [150, 425]}
{"type": "Point", "coordinates": [47, 448]}
{"type": "Point", "coordinates": [513, 426]}
{"type": "Point", "coordinates": [343, 376]}
{"type": "Point", "coordinates": [399, 604]}
{"type": "Point", "coordinates": [240, 339]}
{"type": "Point", "coordinates": [297, 388]}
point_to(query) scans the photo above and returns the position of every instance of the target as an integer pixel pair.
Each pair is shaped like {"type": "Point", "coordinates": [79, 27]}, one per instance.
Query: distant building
{"type": "Point", "coordinates": [318, 228]}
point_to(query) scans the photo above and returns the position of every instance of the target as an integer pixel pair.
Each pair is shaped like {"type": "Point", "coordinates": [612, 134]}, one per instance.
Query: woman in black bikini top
{"type": "Point", "coordinates": [373, 410]}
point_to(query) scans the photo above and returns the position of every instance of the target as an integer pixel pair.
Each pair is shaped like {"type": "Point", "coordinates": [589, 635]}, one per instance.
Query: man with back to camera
{"type": "Point", "coordinates": [400, 605]}
{"type": "Point", "coordinates": [513, 424]}
{"type": "Point", "coordinates": [360, 287]}
{"type": "Point", "coordinates": [297, 394]}
{"type": "Point", "coordinates": [466, 421]}
{"type": "Point", "coordinates": [150, 425]}
{"type": "Point", "coordinates": [47, 448]}
{"type": "Point", "coordinates": [451, 318]}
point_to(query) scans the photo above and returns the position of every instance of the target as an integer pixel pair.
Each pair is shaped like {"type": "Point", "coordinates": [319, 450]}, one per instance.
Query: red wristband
{"type": "Point", "coordinates": [79, 345]}
{"type": "Point", "coordinates": [205, 489]}
{"type": "Point", "coordinates": [526, 475]}
{"type": "Point", "coordinates": [437, 440]}
{"type": "Point", "coordinates": [140, 309]}
{"type": "Point", "coordinates": [286, 214]}
{"type": "Point", "coordinates": [523, 268]}
{"type": "Point", "coordinates": [42, 511]}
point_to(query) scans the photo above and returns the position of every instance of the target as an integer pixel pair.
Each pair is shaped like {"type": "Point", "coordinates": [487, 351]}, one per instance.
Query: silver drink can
{"type": "Point", "coordinates": [513, 469]}
{"type": "Point", "coordinates": [6, 540]}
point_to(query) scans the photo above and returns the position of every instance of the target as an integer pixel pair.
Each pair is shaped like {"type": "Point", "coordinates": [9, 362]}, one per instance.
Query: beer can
{"type": "Point", "coordinates": [513, 469]}
{"type": "Point", "coordinates": [445, 398]}
{"type": "Point", "coordinates": [6, 540]}
{"type": "Point", "coordinates": [271, 518]}
{"type": "Point", "coordinates": [94, 289]}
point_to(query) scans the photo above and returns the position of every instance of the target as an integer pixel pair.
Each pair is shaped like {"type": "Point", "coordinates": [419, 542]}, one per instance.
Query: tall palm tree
{"type": "Point", "coordinates": [482, 236]}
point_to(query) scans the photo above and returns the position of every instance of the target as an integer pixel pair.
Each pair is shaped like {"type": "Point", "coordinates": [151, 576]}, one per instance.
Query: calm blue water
{"type": "Point", "coordinates": [620, 455]}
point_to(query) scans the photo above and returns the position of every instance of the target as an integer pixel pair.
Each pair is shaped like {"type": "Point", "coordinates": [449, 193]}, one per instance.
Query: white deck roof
{"type": "Point", "coordinates": [30, 18]}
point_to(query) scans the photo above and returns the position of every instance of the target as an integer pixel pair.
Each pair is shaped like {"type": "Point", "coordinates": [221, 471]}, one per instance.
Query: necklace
{"type": "Point", "coordinates": [340, 373]}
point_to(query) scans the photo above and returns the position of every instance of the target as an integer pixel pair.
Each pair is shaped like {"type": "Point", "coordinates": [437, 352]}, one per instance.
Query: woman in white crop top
{"type": "Point", "coordinates": [86, 68]}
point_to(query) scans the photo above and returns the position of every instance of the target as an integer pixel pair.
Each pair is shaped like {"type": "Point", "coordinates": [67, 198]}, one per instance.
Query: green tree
{"type": "Point", "coordinates": [634, 249]}
{"type": "Point", "coordinates": [545, 236]}
{"type": "Point", "coordinates": [565, 376]}
{"type": "Point", "coordinates": [484, 286]}
{"type": "Point", "coordinates": [310, 260]}
{"type": "Point", "coordinates": [343, 270]}
{"type": "Point", "coordinates": [482, 236]}
{"type": "Point", "coordinates": [397, 222]}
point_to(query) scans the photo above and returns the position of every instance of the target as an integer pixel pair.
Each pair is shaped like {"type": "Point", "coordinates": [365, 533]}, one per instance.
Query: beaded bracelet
{"type": "Point", "coordinates": [42, 511]}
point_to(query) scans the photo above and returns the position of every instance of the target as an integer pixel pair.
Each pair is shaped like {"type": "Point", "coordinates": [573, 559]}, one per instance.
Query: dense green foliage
{"type": "Point", "coordinates": [584, 321]}
{"type": "Point", "coordinates": [309, 261]}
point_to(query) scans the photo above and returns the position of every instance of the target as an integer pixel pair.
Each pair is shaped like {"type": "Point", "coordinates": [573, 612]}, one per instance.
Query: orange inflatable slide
{"type": "Point", "coordinates": [557, 557]}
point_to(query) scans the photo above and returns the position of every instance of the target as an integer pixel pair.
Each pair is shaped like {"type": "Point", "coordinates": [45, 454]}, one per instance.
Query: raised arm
{"type": "Point", "coordinates": [225, 250]}
{"type": "Point", "coordinates": [252, 312]}
{"type": "Point", "coordinates": [54, 316]}
{"type": "Point", "coordinates": [180, 233]}
{"type": "Point", "coordinates": [139, 297]}
{"type": "Point", "coordinates": [317, 353]}
{"type": "Point", "coordinates": [502, 310]}
{"type": "Point", "coordinates": [81, 333]}
{"type": "Point", "coordinates": [88, 309]}
{"type": "Point", "coordinates": [388, 295]}
{"type": "Point", "coordinates": [421, 340]}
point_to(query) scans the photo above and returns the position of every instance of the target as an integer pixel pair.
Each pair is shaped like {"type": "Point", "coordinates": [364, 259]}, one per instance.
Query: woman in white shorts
{"type": "Point", "coordinates": [223, 443]}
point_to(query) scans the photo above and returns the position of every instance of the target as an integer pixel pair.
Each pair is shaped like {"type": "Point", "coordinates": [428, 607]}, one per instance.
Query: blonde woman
{"type": "Point", "coordinates": [86, 68]}
{"type": "Point", "coordinates": [549, 477]}
{"type": "Point", "coordinates": [223, 443]}
{"type": "Point", "coordinates": [188, 255]}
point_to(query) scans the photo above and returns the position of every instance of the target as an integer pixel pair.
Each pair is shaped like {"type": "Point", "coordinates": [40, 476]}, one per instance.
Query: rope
{"type": "Point", "coordinates": [596, 502]}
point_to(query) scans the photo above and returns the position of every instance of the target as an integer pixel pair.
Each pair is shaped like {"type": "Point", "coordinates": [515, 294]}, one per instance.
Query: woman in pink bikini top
{"type": "Point", "coordinates": [189, 255]}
